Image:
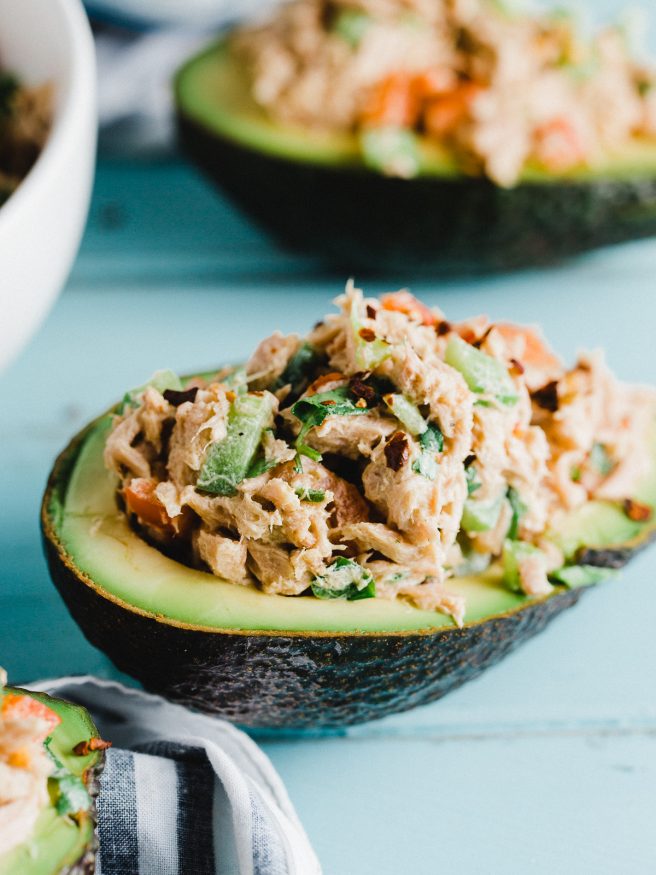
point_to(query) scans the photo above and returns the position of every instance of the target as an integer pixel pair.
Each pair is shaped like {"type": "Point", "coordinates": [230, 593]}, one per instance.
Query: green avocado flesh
{"type": "Point", "coordinates": [103, 547]}
{"type": "Point", "coordinates": [212, 89]}
{"type": "Point", "coordinates": [59, 842]}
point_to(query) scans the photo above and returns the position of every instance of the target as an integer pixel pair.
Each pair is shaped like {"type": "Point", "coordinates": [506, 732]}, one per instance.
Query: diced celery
{"type": "Point", "coordinates": [514, 553]}
{"type": "Point", "coordinates": [483, 374]}
{"type": "Point", "coordinates": [575, 576]}
{"type": "Point", "coordinates": [391, 150]}
{"type": "Point", "coordinates": [407, 413]}
{"type": "Point", "coordinates": [237, 380]}
{"type": "Point", "coordinates": [480, 516]}
{"type": "Point", "coordinates": [351, 25]}
{"type": "Point", "coordinates": [228, 461]}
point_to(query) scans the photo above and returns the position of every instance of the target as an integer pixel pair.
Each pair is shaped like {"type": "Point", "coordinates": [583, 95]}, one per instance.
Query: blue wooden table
{"type": "Point", "coordinates": [547, 764]}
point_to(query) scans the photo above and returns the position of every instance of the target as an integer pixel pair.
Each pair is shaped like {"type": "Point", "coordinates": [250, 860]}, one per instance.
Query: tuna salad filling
{"type": "Point", "coordinates": [25, 764]}
{"type": "Point", "coordinates": [381, 455]}
{"type": "Point", "coordinates": [25, 119]}
{"type": "Point", "coordinates": [498, 90]}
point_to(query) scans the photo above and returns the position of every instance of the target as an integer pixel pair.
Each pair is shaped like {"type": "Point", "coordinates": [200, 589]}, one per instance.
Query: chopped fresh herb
{"type": "Point", "coordinates": [314, 495]}
{"type": "Point", "coordinates": [260, 465]}
{"type": "Point", "coordinates": [473, 483]}
{"type": "Point", "coordinates": [575, 576]}
{"type": "Point", "coordinates": [391, 150]}
{"type": "Point", "coordinates": [432, 440]}
{"type": "Point", "coordinates": [351, 25]}
{"type": "Point", "coordinates": [600, 460]}
{"type": "Point", "coordinates": [483, 374]}
{"type": "Point", "coordinates": [344, 579]}
{"type": "Point", "coordinates": [228, 461]}
{"type": "Point", "coordinates": [518, 510]}
{"type": "Point", "coordinates": [426, 465]}
{"type": "Point", "coordinates": [313, 410]}
{"type": "Point", "coordinates": [299, 369]}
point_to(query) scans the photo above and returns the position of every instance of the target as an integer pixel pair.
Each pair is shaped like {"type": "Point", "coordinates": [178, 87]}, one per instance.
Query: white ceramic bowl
{"type": "Point", "coordinates": [41, 224]}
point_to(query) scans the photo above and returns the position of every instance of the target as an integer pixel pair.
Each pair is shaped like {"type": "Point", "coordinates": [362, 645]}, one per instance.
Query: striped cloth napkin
{"type": "Point", "coordinates": [183, 793]}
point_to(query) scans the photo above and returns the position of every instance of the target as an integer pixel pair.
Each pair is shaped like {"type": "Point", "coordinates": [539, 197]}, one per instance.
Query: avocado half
{"type": "Point", "coordinates": [312, 192]}
{"type": "Point", "coordinates": [63, 845]}
{"type": "Point", "coordinates": [277, 661]}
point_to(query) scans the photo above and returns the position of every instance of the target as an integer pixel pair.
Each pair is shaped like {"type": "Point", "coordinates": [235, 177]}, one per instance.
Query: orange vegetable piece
{"type": "Point", "coordinates": [140, 499]}
{"type": "Point", "coordinates": [404, 302]}
{"type": "Point", "coordinates": [443, 115]}
{"type": "Point", "coordinates": [558, 146]}
{"type": "Point", "coordinates": [17, 707]}
{"type": "Point", "coordinates": [394, 101]}
{"type": "Point", "coordinates": [536, 353]}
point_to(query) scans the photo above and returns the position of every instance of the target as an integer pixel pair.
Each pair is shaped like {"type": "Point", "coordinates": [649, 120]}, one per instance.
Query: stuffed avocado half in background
{"type": "Point", "coordinates": [51, 758]}
{"type": "Point", "coordinates": [353, 522]}
{"type": "Point", "coordinates": [454, 135]}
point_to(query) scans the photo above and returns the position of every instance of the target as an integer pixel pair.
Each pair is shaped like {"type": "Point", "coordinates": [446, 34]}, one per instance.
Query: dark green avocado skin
{"type": "Point", "coordinates": [356, 219]}
{"type": "Point", "coordinates": [294, 681]}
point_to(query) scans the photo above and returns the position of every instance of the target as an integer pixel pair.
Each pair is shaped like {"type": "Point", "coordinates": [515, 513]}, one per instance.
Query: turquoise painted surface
{"type": "Point", "coordinates": [545, 764]}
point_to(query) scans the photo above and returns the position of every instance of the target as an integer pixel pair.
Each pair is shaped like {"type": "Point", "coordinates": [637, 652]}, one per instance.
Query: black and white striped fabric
{"type": "Point", "coordinates": [184, 793]}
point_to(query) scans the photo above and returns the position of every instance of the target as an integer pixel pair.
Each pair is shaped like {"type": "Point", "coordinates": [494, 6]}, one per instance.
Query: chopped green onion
{"type": "Point", "coordinates": [344, 579]}
{"type": "Point", "coordinates": [314, 495]}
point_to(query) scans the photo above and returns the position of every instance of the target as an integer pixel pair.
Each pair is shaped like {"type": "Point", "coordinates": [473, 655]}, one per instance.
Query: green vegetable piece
{"type": "Point", "coordinates": [575, 576]}
{"type": "Point", "coordinates": [483, 374]}
{"type": "Point", "coordinates": [351, 25]}
{"type": "Point", "coordinates": [260, 465]}
{"type": "Point", "coordinates": [314, 495]}
{"type": "Point", "coordinates": [71, 795]}
{"type": "Point", "coordinates": [344, 579]}
{"type": "Point", "coordinates": [473, 483]}
{"type": "Point", "coordinates": [600, 460]}
{"type": "Point", "coordinates": [407, 413]}
{"type": "Point", "coordinates": [480, 516]}
{"type": "Point", "coordinates": [391, 150]}
{"type": "Point", "coordinates": [313, 410]}
{"type": "Point", "coordinates": [518, 510]}
{"type": "Point", "coordinates": [228, 461]}
{"type": "Point", "coordinates": [514, 553]}
{"type": "Point", "coordinates": [432, 440]}
{"type": "Point", "coordinates": [369, 353]}
{"type": "Point", "coordinates": [237, 380]}
{"type": "Point", "coordinates": [299, 369]}
{"type": "Point", "coordinates": [160, 380]}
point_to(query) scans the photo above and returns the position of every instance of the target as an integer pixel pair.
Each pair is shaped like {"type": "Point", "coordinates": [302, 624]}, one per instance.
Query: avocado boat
{"type": "Point", "coordinates": [312, 191]}
{"type": "Point", "coordinates": [64, 841]}
{"type": "Point", "coordinates": [274, 661]}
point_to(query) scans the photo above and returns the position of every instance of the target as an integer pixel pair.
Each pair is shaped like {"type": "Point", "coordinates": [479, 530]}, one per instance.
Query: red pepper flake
{"type": "Point", "coordinates": [231, 396]}
{"type": "Point", "coordinates": [84, 748]}
{"type": "Point", "coordinates": [481, 340]}
{"type": "Point", "coordinates": [361, 403]}
{"type": "Point", "coordinates": [397, 450]}
{"type": "Point", "coordinates": [177, 397]}
{"type": "Point", "coordinates": [367, 334]}
{"type": "Point", "coordinates": [443, 328]}
{"type": "Point", "coordinates": [328, 403]}
{"type": "Point", "coordinates": [547, 397]}
{"type": "Point", "coordinates": [516, 368]}
{"type": "Point", "coordinates": [361, 389]}
{"type": "Point", "coordinates": [371, 311]}
{"type": "Point", "coordinates": [637, 511]}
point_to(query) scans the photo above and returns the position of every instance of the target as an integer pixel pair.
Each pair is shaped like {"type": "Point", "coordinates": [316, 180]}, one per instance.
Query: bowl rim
{"type": "Point", "coordinates": [81, 86]}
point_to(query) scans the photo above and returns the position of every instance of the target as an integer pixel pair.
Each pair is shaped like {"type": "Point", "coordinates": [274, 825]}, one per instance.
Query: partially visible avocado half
{"type": "Point", "coordinates": [64, 842]}
{"type": "Point", "coordinates": [281, 661]}
{"type": "Point", "coordinates": [311, 190]}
